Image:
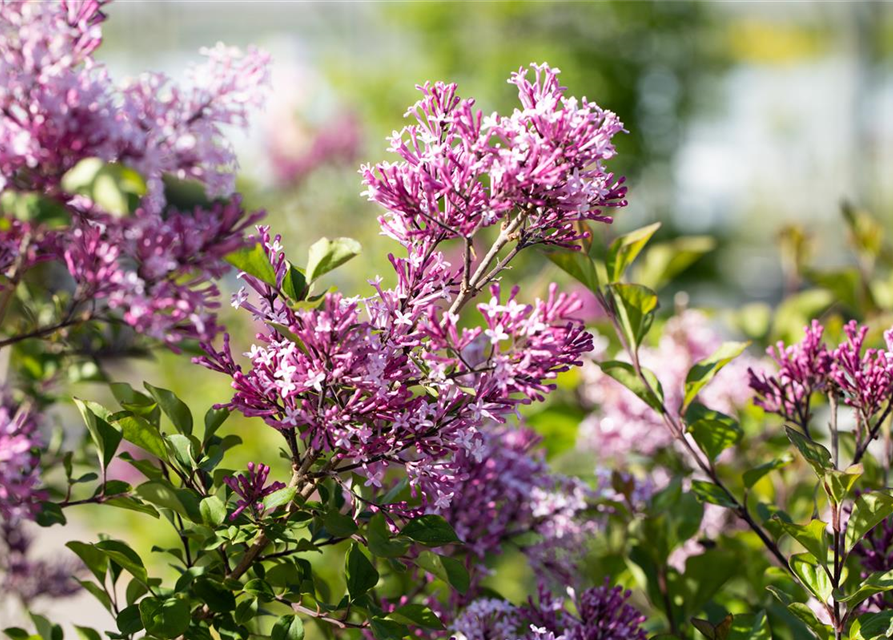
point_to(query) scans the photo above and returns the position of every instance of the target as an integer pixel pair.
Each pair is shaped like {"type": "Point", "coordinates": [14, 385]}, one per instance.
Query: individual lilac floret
{"type": "Point", "coordinates": [461, 171]}
{"type": "Point", "coordinates": [864, 379]}
{"type": "Point", "coordinates": [252, 488]}
{"type": "Point", "coordinates": [803, 369]}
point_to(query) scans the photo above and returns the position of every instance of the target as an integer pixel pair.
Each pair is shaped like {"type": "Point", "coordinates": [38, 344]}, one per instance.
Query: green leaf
{"type": "Point", "coordinates": [635, 306]}
{"type": "Point", "coordinates": [339, 524]}
{"type": "Point", "coordinates": [813, 536]}
{"type": "Point", "coordinates": [872, 626]}
{"type": "Point", "coordinates": [288, 627]}
{"type": "Point", "coordinates": [838, 484]}
{"type": "Point", "coordinates": [749, 626]}
{"type": "Point", "coordinates": [50, 513]}
{"type": "Point", "coordinates": [664, 261]}
{"type": "Point", "coordinates": [254, 261]}
{"type": "Point", "coordinates": [183, 450]}
{"type": "Point", "coordinates": [625, 374]}
{"type": "Point", "coordinates": [715, 436]}
{"type": "Point", "coordinates": [105, 436]}
{"type": "Point", "coordinates": [360, 573]}
{"type": "Point", "coordinates": [383, 629]}
{"type": "Point", "coordinates": [416, 614]}
{"type": "Point", "coordinates": [129, 621]}
{"type": "Point", "coordinates": [218, 598]}
{"type": "Point", "coordinates": [806, 615]}
{"type": "Point", "coordinates": [164, 618]}
{"type": "Point", "coordinates": [213, 511]}
{"type": "Point", "coordinates": [279, 498]}
{"type": "Point", "coordinates": [430, 530]}
{"type": "Point", "coordinates": [818, 457]}
{"type": "Point", "coordinates": [326, 255]}
{"type": "Point", "coordinates": [114, 187]}
{"type": "Point", "coordinates": [704, 371]}
{"type": "Point", "coordinates": [214, 418]}
{"type": "Point", "coordinates": [578, 265]}
{"type": "Point", "coordinates": [162, 494]}
{"type": "Point", "coordinates": [174, 408]}
{"type": "Point", "coordinates": [125, 557]}
{"type": "Point", "coordinates": [448, 569]}
{"type": "Point", "coordinates": [85, 633]}
{"type": "Point", "coordinates": [294, 285]}
{"type": "Point", "coordinates": [379, 539]}
{"type": "Point", "coordinates": [709, 492]}
{"type": "Point", "coordinates": [752, 476]}
{"type": "Point", "coordinates": [874, 584]}
{"type": "Point", "coordinates": [143, 434]}
{"type": "Point", "coordinates": [94, 559]}
{"type": "Point", "coordinates": [806, 567]}
{"type": "Point", "coordinates": [868, 511]}
{"type": "Point", "coordinates": [624, 249]}
{"type": "Point", "coordinates": [132, 504]}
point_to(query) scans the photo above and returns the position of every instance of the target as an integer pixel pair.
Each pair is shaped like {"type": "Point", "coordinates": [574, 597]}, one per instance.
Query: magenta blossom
{"type": "Point", "coordinates": [252, 488]}
{"type": "Point", "coordinates": [460, 171]}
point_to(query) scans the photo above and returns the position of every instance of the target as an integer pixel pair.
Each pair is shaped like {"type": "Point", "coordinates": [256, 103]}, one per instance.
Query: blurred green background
{"type": "Point", "coordinates": [743, 118]}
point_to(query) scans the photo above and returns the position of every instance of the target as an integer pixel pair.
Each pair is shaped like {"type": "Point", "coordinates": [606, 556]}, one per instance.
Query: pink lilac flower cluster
{"type": "Point", "coordinates": [460, 171]}
{"type": "Point", "coordinates": [252, 488]}
{"type": "Point", "coordinates": [511, 491]}
{"type": "Point", "coordinates": [622, 424]}
{"type": "Point", "coordinates": [863, 378]}
{"type": "Point", "coordinates": [20, 444]}
{"type": "Point", "coordinates": [58, 106]}
{"type": "Point", "coordinates": [392, 380]}
{"type": "Point", "coordinates": [803, 369]}
{"type": "Point", "coordinates": [602, 613]}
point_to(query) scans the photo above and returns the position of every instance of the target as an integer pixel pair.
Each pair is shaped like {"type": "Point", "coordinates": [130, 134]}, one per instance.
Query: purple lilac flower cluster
{"type": "Point", "coordinates": [20, 444]}
{"type": "Point", "coordinates": [352, 375]}
{"type": "Point", "coordinates": [863, 378]}
{"type": "Point", "coordinates": [28, 578]}
{"type": "Point", "coordinates": [252, 488]}
{"type": "Point", "coordinates": [58, 107]}
{"type": "Point", "coordinates": [461, 171]}
{"type": "Point", "coordinates": [602, 613]}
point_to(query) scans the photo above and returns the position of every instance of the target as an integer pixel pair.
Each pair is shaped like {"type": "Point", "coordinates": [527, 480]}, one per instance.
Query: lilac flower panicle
{"type": "Point", "coordinates": [346, 382]}
{"type": "Point", "coordinates": [28, 578]}
{"type": "Point", "coordinates": [252, 488]}
{"type": "Point", "coordinates": [803, 369]}
{"type": "Point", "coordinates": [460, 171]}
{"type": "Point", "coordinates": [864, 379]}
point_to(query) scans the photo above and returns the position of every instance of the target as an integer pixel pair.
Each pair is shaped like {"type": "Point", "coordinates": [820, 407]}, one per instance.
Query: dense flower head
{"type": "Point", "coordinates": [391, 379]}
{"type": "Point", "coordinates": [20, 444]}
{"type": "Point", "coordinates": [622, 423]}
{"type": "Point", "coordinates": [803, 369]}
{"type": "Point", "coordinates": [60, 106]}
{"type": "Point", "coordinates": [864, 379]}
{"type": "Point", "coordinates": [602, 613]}
{"type": "Point", "coordinates": [252, 488]}
{"type": "Point", "coordinates": [460, 171]}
